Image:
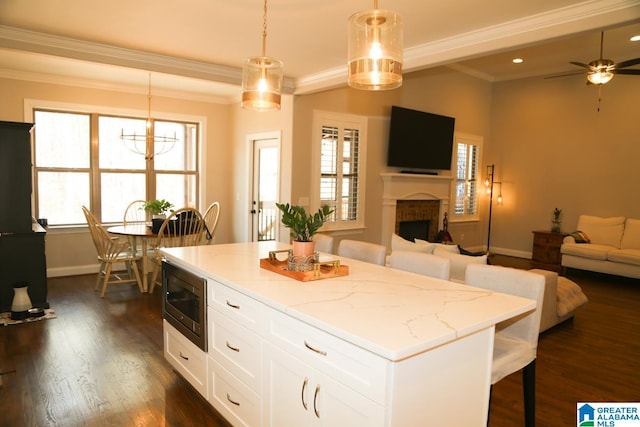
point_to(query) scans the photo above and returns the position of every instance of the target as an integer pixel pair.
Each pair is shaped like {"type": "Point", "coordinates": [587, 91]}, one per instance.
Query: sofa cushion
{"type": "Point", "coordinates": [631, 236]}
{"type": "Point", "coordinates": [602, 231]}
{"type": "Point", "coordinates": [444, 246]}
{"type": "Point", "coordinates": [625, 256]}
{"type": "Point", "coordinates": [586, 250]}
{"type": "Point", "coordinates": [569, 297]}
{"type": "Point", "coordinates": [400, 244]}
{"type": "Point", "coordinates": [458, 262]}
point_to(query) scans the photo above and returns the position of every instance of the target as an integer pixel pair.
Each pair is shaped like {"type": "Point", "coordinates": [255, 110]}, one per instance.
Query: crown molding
{"type": "Point", "coordinates": [557, 23]}
{"type": "Point", "coordinates": [31, 41]}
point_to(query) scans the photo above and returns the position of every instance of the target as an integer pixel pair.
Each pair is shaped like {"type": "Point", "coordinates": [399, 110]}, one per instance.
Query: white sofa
{"type": "Point", "coordinates": [612, 246]}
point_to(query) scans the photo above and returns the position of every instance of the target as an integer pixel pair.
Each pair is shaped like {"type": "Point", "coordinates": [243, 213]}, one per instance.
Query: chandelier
{"type": "Point", "coordinates": [262, 78]}
{"type": "Point", "coordinates": [148, 144]}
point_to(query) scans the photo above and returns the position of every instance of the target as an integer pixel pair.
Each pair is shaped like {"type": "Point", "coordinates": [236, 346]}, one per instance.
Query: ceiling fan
{"type": "Point", "coordinates": [602, 70]}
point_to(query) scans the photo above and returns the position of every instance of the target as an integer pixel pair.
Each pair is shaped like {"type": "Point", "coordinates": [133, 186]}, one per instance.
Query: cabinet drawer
{"type": "Point", "coordinates": [186, 358]}
{"type": "Point", "coordinates": [236, 348]}
{"type": "Point", "coordinates": [240, 405]}
{"type": "Point", "coordinates": [350, 365]}
{"type": "Point", "coordinates": [235, 305]}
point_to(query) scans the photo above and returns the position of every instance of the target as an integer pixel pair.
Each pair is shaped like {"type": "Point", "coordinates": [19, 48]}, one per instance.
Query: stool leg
{"type": "Point", "coordinates": [529, 388]}
{"type": "Point", "coordinates": [489, 409]}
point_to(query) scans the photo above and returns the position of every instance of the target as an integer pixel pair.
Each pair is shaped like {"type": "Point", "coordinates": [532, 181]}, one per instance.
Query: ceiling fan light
{"type": "Point", "coordinates": [375, 50]}
{"type": "Point", "coordinates": [262, 83]}
{"type": "Point", "coordinates": [599, 77]}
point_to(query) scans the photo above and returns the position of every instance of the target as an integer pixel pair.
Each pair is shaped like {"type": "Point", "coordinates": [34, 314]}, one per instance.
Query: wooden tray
{"type": "Point", "coordinates": [321, 270]}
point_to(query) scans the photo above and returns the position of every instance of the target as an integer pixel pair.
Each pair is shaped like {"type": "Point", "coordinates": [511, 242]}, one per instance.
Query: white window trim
{"type": "Point", "coordinates": [460, 137]}
{"type": "Point", "coordinates": [34, 104]}
{"type": "Point", "coordinates": [323, 118]}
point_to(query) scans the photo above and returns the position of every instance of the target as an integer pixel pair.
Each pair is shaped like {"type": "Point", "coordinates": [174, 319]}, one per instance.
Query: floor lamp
{"type": "Point", "coordinates": [489, 183]}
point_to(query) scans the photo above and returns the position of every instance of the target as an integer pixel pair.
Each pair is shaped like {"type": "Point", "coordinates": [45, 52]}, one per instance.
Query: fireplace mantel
{"type": "Point", "coordinates": [406, 186]}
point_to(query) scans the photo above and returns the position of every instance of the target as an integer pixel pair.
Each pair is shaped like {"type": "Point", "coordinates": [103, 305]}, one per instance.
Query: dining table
{"type": "Point", "coordinates": [140, 234]}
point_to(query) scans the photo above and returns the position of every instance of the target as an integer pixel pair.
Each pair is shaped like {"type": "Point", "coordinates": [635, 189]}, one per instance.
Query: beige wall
{"type": "Point", "coordinates": [71, 251]}
{"type": "Point", "coordinates": [439, 90]}
{"type": "Point", "coordinates": [553, 148]}
{"type": "Point", "coordinates": [245, 125]}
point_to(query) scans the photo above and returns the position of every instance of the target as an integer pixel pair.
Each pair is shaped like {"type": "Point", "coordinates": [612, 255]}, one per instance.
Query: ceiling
{"type": "Point", "coordinates": [199, 46]}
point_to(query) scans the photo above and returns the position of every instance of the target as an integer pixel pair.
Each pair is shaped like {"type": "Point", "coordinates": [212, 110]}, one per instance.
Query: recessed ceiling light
{"type": "Point", "coordinates": [635, 38]}
{"type": "Point", "coordinates": [517, 60]}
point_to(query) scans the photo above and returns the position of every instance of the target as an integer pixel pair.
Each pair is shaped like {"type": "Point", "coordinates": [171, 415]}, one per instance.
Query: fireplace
{"type": "Point", "coordinates": [411, 197]}
{"type": "Point", "coordinates": [411, 230]}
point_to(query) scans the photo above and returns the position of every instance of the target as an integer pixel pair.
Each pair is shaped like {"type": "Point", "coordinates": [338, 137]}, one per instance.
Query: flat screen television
{"type": "Point", "coordinates": [420, 141]}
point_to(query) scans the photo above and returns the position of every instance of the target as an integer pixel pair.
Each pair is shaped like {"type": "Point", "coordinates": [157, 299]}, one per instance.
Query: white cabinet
{"type": "Point", "coordinates": [186, 358]}
{"type": "Point", "coordinates": [295, 394]}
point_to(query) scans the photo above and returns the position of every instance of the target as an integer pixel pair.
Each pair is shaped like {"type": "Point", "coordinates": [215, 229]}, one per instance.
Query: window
{"type": "Point", "coordinates": [80, 159]}
{"type": "Point", "coordinates": [465, 188]}
{"type": "Point", "coordinates": [339, 159]}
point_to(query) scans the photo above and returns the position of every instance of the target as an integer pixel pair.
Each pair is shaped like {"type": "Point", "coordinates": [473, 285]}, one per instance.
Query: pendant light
{"type": "Point", "coordinates": [262, 78]}
{"type": "Point", "coordinates": [375, 49]}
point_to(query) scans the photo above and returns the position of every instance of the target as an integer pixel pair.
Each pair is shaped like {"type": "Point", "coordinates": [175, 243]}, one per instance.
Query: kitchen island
{"type": "Point", "coordinates": [378, 347]}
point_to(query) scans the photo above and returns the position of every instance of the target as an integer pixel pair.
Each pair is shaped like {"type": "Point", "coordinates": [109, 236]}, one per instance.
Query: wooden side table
{"type": "Point", "coordinates": [546, 250]}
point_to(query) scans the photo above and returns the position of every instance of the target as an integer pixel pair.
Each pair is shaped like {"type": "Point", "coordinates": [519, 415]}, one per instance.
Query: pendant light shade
{"type": "Point", "coordinates": [262, 83]}
{"type": "Point", "coordinates": [375, 49]}
{"type": "Point", "coordinates": [262, 78]}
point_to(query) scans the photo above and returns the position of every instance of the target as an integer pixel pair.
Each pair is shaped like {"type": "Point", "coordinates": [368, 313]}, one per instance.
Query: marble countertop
{"type": "Point", "coordinates": [389, 312]}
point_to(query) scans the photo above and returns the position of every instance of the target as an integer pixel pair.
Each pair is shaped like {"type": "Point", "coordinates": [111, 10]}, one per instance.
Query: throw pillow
{"type": "Point", "coordinates": [400, 244]}
{"type": "Point", "coordinates": [463, 251]}
{"type": "Point", "coordinates": [580, 237]}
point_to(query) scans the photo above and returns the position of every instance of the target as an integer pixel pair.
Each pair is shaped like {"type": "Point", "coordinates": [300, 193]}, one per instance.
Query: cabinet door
{"type": "Point", "coordinates": [296, 394]}
{"type": "Point", "coordinates": [287, 390]}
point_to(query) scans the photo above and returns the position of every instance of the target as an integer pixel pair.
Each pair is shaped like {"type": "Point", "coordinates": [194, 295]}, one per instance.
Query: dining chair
{"type": "Point", "coordinates": [323, 243]}
{"type": "Point", "coordinates": [183, 227]}
{"type": "Point", "coordinates": [210, 217]}
{"type": "Point", "coordinates": [516, 340]}
{"type": "Point", "coordinates": [135, 213]}
{"type": "Point", "coordinates": [363, 251]}
{"type": "Point", "coordinates": [421, 263]}
{"type": "Point", "coordinates": [110, 251]}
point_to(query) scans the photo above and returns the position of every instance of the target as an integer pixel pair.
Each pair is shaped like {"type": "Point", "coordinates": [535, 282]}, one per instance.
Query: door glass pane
{"type": "Point", "coordinates": [116, 153]}
{"type": "Point", "coordinates": [180, 190]}
{"type": "Point", "coordinates": [61, 196]}
{"type": "Point", "coordinates": [267, 193]}
{"type": "Point", "coordinates": [63, 140]}
{"type": "Point", "coordinates": [118, 190]}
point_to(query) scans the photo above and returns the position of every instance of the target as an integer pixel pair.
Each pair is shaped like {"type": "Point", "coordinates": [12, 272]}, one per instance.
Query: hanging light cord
{"type": "Point", "coordinates": [264, 30]}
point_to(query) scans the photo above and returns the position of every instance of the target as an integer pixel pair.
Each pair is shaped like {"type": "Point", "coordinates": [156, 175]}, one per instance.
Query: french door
{"type": "Point", "coordinates": [265, 189]}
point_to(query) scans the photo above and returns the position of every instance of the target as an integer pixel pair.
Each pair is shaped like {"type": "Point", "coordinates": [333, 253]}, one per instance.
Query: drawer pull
{"type": "Point", "coordinates": [233, 348]}
{"type": "Point", "coordinates": [183, 356]}
{"type": "Point", "coordinates": [315, 401]}
{"type": "Point", "coordinates": [237, 307]}
{"type": "Point", "coordinates": [323, 353]}
{"type": "Point", "coordinates": [304, 386]}
{"type": "Point", "coordinates": [232, 401]}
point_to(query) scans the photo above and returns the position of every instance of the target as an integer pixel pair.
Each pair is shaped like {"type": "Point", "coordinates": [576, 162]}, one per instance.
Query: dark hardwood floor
{"type": "Point", "coordinates": [100, 362]}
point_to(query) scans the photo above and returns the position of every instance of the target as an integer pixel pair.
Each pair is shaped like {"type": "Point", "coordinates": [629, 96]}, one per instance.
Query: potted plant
{"type": "Point", "coordinates": [158, 209]}
{"type": "Point", "coordinates": [303, 226]}
{"type": "Point", "coordinates": [557, 220]}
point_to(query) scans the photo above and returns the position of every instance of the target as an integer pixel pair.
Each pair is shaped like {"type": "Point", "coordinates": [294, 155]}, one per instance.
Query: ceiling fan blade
{"type": "Point", "coordinates": [630, 72]}
{"type": "Point", "coordinates": [628, 63]}
{"type": "Point", "coordinates": [571, 73]}
{"type": "Point", "coordinates": [579, 64]}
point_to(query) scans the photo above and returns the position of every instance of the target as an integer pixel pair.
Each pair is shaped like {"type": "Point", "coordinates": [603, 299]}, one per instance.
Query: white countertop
{"type": "Point", "coordinates": [389, 312]}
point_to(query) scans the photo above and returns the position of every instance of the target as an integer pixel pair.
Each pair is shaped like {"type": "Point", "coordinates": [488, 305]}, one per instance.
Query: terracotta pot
{"type": "Point", "coordinates": [303, 248]}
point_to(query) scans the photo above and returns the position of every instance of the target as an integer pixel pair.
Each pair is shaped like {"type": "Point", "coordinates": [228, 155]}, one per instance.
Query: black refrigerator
{"type": "Point", "coordinates": [22, 239]}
